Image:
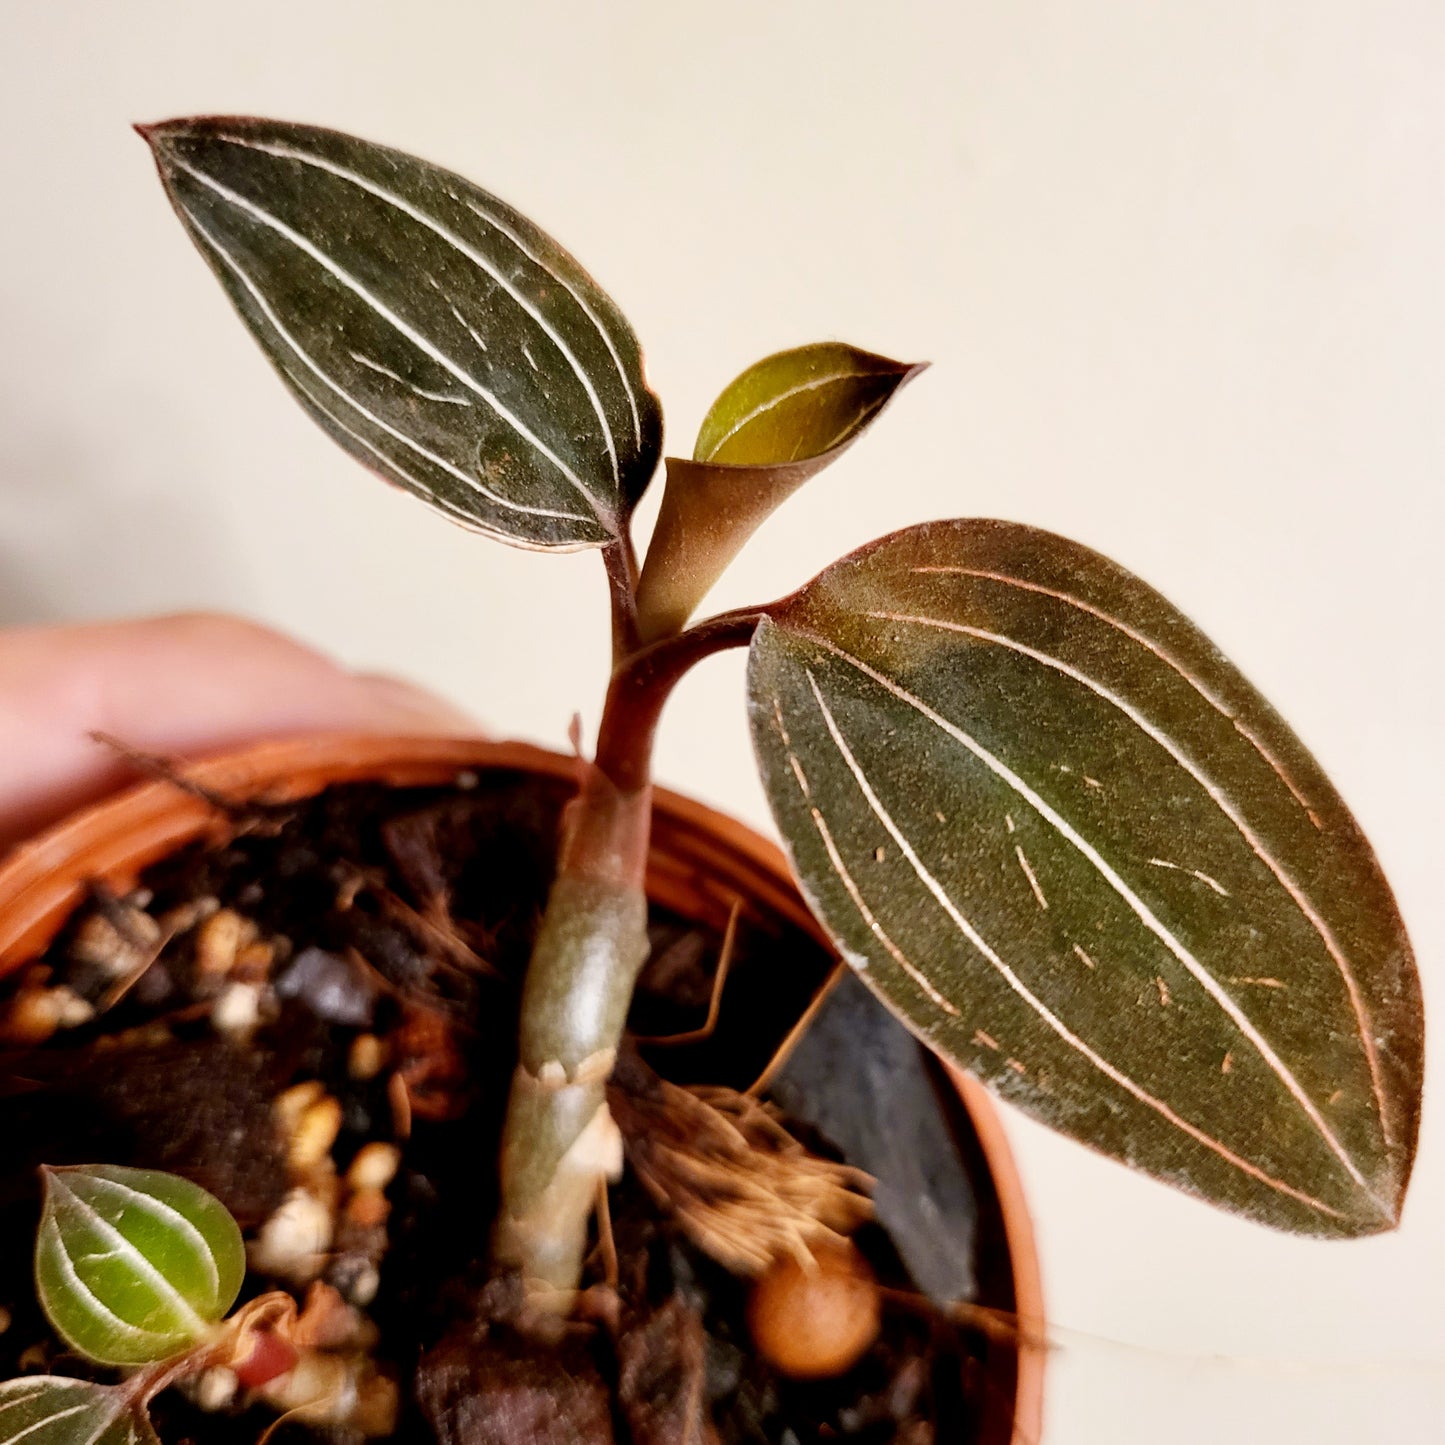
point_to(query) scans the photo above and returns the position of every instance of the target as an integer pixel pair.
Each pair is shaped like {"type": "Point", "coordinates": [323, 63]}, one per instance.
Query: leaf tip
{"type": "Point", "coordinates": [55, 1188]}
{"type": "Point", "coordinates": [1388, 1209]}
{"type": "Point", "coordinates": [159, 134]}
{"type": "Point", "coordinates": [152, 132]}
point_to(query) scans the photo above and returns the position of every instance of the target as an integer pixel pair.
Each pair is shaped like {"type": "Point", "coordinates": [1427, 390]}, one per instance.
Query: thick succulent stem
{"type": "Point", "coordinates": [560, 1139]}
{"type": "Point", "coordinates": [559, 1142]}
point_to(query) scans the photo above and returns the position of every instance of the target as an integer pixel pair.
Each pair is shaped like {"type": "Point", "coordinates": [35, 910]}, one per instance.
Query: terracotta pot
{"type": "Point", "coordinates": [700, 863]}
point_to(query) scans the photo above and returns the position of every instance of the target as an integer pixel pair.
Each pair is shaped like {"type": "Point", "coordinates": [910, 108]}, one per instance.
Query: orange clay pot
{"type": "Point", "coordinates": [700, 863]}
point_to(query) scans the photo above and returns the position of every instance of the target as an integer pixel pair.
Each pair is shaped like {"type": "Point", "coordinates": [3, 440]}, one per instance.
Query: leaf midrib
{"type": "Point", "coordinates": [464, 248]}
{"type": "Point", "coordinates": [1296, 893]}
{"type": "Point", "coordinates": [603, 514]}
{"type": "Point", "coordinates": [313, 366]}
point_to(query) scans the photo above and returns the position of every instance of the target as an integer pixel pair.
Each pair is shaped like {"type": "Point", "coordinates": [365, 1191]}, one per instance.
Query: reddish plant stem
{"type": "Point", "coordinates": [559, 1144]}
{"type": "Point", "coordinates": [620, 560]}
{"type": "Point", "coordinates": [143, 1386]}
{"type": "Point", "coordinates": [642, 683]}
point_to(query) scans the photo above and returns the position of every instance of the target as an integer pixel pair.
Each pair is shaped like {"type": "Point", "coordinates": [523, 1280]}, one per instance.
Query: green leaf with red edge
{"type": "Point", "coordinates": [1072, 847]}
{"type": "Point", "coordinates": [52, 1410]}
{"type": "Point", "coordinates": [432, 331]}
{"type": "Point", "coordinates": [775, 426]}
{"type": "Point", "coordinates": [134, 1266]}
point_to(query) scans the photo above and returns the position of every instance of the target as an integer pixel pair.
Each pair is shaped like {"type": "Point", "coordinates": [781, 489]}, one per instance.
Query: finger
{"type": "Point", "coordinates": [188, 684]}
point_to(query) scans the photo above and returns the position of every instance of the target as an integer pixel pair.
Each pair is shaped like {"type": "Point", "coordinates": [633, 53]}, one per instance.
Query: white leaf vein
{"type": "Point", "coordinates": [855, 894]}
{"type": "Point", "coordinates": [1150, 645]}
{"type": "Point", "coordinates": [775, 401]}
{"type": "Point", "coordinates": [22, 1392]}
{"type": "Point", "coordinates": [50, 1232]}
{"type": "Point", "coordinates": [170, 1217]}
{"type": "Point", "coordinates": [361, 359]}
{"type": "Point", "coordinates": [332, 268]}
{"type": "Point", "coordinates": [480, 261]}
{"type": "Point", "coordinates": [51, 1420]}
{"type": "Point", "coordinates": [1019, 987]}
{"type": "Point", "coordinates": [1136, 904]}
{"type": "Point", "coordinates": [134, 1258]}
{"type": "Point", "coordinates": [1216, 795]}
{"type": "Point", "coordinates": [304, 357]}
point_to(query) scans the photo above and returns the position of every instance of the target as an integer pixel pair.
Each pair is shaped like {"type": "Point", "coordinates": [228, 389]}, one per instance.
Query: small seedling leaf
{"type": "Point", "coordinates": [437, 335]}
{"type": "Point", "coordinates": [134, 1266]}
{"type": "Point", "coordinates": [798, 406]}
{"type": "Point", "coordinates": [775, 426]}
{"type": "Point", "coordinates": [1074, 849]}
{"type": "Point", "coordinates": [52, 1410]}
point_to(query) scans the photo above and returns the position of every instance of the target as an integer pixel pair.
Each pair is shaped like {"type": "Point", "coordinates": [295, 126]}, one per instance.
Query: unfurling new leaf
{"type": "Point", "coordinates": [798, 406]}
{"type": "Point", "coordinates": [1063, 838]}
{"type": "Point", "coordinates": [52, 1410]}
{"type": "Point", "coordinates": [133, 1266]}
{"type": "Point", "coordinates": [437, 335]}
{"type": "Point", "coordinates": [779, 423]}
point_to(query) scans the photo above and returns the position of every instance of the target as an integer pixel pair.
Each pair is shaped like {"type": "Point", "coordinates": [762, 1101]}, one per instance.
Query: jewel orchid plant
{"type": "Point", "coordinates": [1050, 826]}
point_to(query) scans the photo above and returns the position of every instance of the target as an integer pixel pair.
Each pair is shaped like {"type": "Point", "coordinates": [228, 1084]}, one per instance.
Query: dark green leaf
{"type": "Point", "coordinates": [1064, 839]}
{"type": "Point", "coordinates": [779, 423]}
{"type": "Point", "coordinates": [52, 1410]}
{"type": "Point", "coordinates": [134, 1266]}
{"type": "Point", "coordinates": [437, 335]}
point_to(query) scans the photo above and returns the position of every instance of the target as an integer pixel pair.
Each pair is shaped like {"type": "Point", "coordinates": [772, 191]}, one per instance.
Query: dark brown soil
{"type": "Point", "coordinates": [408, 916]}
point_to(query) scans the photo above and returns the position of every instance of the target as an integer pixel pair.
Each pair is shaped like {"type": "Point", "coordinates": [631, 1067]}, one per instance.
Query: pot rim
{"type": "Point", "coordinates": [43, 879]}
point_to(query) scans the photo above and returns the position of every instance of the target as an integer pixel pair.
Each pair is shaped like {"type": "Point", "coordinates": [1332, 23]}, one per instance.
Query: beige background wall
{"type": "Point", "coordinates": [1177, 266]}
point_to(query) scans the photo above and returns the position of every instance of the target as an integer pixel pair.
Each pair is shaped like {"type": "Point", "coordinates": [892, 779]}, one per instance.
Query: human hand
{"type": "Point", "coordinates": [186, 684]}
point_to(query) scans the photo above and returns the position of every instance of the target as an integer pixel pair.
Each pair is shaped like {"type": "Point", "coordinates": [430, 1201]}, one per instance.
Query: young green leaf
{"type": "Point", "coordinates": [437, 335]}
{"type": "Point", "coordinates": [52, 1410]}
{"type": "Point", "coordinates": [1075, 850]}
{"type": "Point", "coordinates": [779, 423]}
{"type": "Point", "coordinates": [134, 1266]}
{"type": "Point", "coordinates": [798, 406]}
